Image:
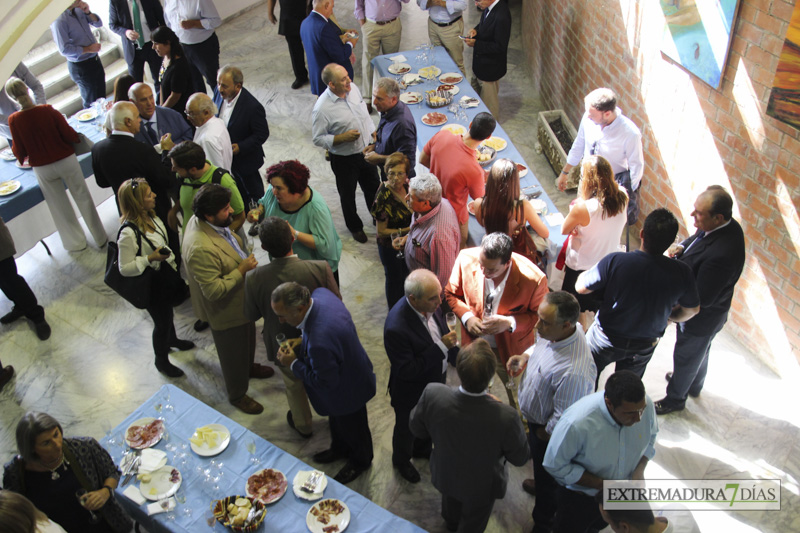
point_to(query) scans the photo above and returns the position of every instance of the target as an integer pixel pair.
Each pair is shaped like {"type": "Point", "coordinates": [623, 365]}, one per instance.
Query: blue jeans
{"type": "Point", "coordinates": [90, 77]}
{"type": "Point", "coordinates": [396, 271]}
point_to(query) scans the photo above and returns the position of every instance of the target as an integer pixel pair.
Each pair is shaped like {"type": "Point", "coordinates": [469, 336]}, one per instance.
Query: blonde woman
{"type": "Point", "coordinates": [143, 244]}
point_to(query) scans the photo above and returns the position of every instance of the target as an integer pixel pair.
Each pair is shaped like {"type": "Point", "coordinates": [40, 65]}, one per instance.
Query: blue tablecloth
{"type": "Point", "coordinates": [29, 193]}
{"type": "Point", "coordinates": [286, 515]}
{"type": "Point", "coordinates": [424, 133]}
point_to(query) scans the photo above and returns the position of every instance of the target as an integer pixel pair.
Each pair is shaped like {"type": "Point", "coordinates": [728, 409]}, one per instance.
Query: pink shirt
{"type": "Point", "coordinates": [456, 166]}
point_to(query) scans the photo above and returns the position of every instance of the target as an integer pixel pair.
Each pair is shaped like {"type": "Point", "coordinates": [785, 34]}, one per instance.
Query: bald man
{"type": "Point", "coordinates": [211, 133]}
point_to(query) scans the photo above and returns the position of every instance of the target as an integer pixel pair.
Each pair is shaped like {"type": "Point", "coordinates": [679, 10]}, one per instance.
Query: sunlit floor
{"type": "Point", "coordinates": [98, 365]}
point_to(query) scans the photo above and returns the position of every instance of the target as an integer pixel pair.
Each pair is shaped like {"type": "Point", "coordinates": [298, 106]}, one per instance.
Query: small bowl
{"type": "Point", "coordinates": [220, 508]}
{"type": "Point", "coordinates": [486, 150]}
{"type": "Point", "coordinates": [442, 98]}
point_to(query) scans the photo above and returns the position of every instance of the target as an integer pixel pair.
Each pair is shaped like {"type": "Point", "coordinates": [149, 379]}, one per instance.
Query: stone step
{"type": "Point", "coordinates": [56, 79]}
{"type": "Point", "coordinates": [69, 101]}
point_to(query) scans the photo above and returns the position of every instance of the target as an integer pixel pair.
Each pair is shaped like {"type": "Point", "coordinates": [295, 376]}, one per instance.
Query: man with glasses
{"type": "Point", "coordinates": [211, 133]}
{"type": "Point", "coordinates": [610, 434]}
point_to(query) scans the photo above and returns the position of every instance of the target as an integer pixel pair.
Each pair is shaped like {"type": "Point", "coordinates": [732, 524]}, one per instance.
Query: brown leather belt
{"type": "Point", "coordinates": [446, 24]}
{"type": "Point", "coordinates": [384, 22]}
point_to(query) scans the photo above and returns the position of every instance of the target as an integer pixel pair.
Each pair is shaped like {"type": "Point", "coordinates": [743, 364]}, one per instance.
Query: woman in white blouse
{"type": "Point", "coordinates": [137, 202]}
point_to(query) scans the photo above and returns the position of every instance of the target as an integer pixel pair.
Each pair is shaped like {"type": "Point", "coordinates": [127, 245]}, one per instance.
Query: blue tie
{"type": "Point", "coordinates": [148, 128]}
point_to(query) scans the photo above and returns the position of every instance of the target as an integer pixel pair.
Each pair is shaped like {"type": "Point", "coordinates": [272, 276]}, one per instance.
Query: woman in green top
{"type": "Point", "coordinates": [289, 197]}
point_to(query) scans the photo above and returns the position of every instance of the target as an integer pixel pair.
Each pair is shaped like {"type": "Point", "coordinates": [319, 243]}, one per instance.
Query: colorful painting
{"type": "Point", "coordinates": [784, 100]}
{"type": "Point", "coordinates": [698, 35]}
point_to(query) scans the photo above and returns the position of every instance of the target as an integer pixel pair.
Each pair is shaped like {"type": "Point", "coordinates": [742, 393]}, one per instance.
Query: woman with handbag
{"type": "Point", "coordinates": [41, 134]}
{"type": "Point", "coordinates": [504, 210]}
{"type": "Point", "coordinates": [143, 244]}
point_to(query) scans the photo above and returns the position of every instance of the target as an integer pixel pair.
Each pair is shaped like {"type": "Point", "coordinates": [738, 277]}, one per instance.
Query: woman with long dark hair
{"type": "Point", "coordinates": [176, 72]}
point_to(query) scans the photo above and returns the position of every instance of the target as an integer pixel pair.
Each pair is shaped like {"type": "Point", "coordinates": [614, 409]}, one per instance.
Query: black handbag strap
{"type": "Point", "coordinates": [139, 235]}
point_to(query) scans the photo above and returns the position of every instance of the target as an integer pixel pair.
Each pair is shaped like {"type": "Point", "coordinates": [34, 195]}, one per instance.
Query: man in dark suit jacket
{"type": "Point", "coordinates": [246, 120]}
{"type": "Point", "coordinates": [292, 15]}
{"type": "Point", "coordinates": [276, 238]}
{"type": "Point", "coordinates": [324, 43]}
{"type": "Point", "coordinates": [418, 353]}
{"type": "Point", "coordinates": [716, 256]}
{"type": "Point", "coordinates": [474, 436]}
{"type": "Point", "coordinates": [162, 127]}
{"type": "Point", "coordinates": [490, 42]}
{"type": "Point", "coordinates": [136, 45]}
{"type": "Point", "coordinates": [335, 369]}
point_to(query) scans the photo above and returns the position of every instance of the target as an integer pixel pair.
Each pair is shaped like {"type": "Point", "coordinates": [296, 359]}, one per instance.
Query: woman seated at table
{"type": "Point", "coordinates": [42, 136]}
{"type": "Point", "coordinates": [19, 515]}
{"type": "Point", "coordinates": [595, 223]}
{"type": "Point", "coordinates": [69, 479]}
{"type": "Point", "coordinates": [503, 209]}
{"type": "Point", "coordinates": [175, 76]}
{"type": "Point", "coordinates": [289, 197]}
{"type": "Point", "coordinates": [393, 216]}
{"type": "Point", "coordinates": [141, 248]}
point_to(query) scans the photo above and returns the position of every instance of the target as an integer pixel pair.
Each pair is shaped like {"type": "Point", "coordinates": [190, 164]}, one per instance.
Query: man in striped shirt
{"type": "Point", "coordinates": [560, 371]}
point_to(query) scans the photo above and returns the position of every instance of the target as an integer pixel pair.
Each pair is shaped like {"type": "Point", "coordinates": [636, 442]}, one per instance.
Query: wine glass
{"type": "Point", "coordinates": [513, 371]}
{"type": "Point", "coordinates": [164, 503]}
{"type": "Point", "coordinates": [81, 494]}
{"type": "Point", "coordinates": [452, 322]}
{"type": "Point", "coordinates": [170, 443]}
{"type": "Point", "coordinates": [396, 235]}
{"type": "Point", "coordinates": [180, 497]}
{"type": "Point", "coordinates": [250, 443]}
{"type": "Point", "coordinates": [165, 395]}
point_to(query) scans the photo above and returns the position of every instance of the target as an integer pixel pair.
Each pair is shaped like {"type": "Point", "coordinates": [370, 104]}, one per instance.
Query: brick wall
{"type": "Point", "coordinates": [693, 136]}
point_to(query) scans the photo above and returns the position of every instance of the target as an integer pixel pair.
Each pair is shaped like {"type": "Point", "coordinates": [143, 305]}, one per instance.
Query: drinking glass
{"type": "Point", "coordinates": [81, 495]}
{"type": "Point", "coordinates": [180, 497]}
{"type": "Point", "coordinates": [511, 384]}
{"type": "Point", "coordinates": [452, 322]}
{"type": "Point", "coordinates": [163, 502]}
{"type": "Point", "coordinates": [250, 443]}
{"type": "Point", "coordinates": [396, 235]}
{"type": "Point", "coordinates": [165, 397]}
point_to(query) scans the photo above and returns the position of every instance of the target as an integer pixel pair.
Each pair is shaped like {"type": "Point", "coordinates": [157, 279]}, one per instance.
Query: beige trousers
{"type": "Point", "coordinates": [488, 90]}
{"type": "Point", "coordinates": [448, 37]}
{"type": "Point", "coordinates": [298, 400]}
{"type": "Point", "coordinates": [378, 40]}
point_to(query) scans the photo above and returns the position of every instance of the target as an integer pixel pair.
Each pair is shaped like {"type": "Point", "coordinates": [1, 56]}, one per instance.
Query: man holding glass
{"type": "Point", "coordinates": [418, 352]}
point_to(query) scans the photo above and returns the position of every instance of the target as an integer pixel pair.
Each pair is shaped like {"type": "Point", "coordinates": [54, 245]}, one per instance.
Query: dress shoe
{"type": "Point", "coordinates": [328, 456]}
{"type": "Point", "coordinates": [408, 472]}
{"type": "Point", "coordinates": [5, 376]}
{"type": "Point", "coordinates": [261, 371]}
{"type": "Point", "coordinates": [168, 369]}
{"type": "Point", "coordinates": [248, 405]}
{"type": "Point", "coordinates": [360, 236]}
{"type": "Point", "coordinates": [290, 421]}
{"type": "Point", "coordinates": [200, 325]}
{"type": "Point", "coordinates": [181, 345]}
{"type": "Point", "coordinates": [348, 473]}
{"type": "Point", "coordinates": [529, 486]}
{"type": "Point", "coordinates": [42, 330]}
{"type": "Point", "coordinates": [296, 84]}
{"type": "Point", "coordinates": [12, 316]}
{"type": "Point", "coordinates": [664, 407]}
{"type": "Point", "coordinates": [668, 377]}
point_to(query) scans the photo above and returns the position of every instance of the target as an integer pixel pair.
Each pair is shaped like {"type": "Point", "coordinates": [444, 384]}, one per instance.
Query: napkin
{"type": "Point", "coordinates": [151, 460]}
{"type": "Point", "coordinates": [155, 507]}
{"type": "Point", "coordinates": [134, 494]}
{"type": "Point", "coordinates": [554, 219]}
{"type": "Point", "coordinates": [398, 58]}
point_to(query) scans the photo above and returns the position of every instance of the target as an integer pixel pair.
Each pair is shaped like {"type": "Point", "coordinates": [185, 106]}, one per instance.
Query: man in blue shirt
{"type": "Point", "coordinates": [607, 435]}
{"type": "Point", "coordinates": [73, 36]}
{"type": "Point", "coordinates": [397, 131]}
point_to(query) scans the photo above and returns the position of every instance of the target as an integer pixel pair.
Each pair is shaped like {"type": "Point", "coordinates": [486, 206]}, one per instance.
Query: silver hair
{"type": "Point", "coordinates": [389, 86]}
{"type": "Point", "coordinates": [236, 73]}
{"type": "Point", "coordinates": [291, 294]}
{"type": "Point", "coordinates": [16, 89]}
{"type": "Point", "coordinates": [416, 282]}
{"type": "Point", "coordinates": [204, 103]}
{"type": "Point", "coordinates": [31, 425]}
{"type": "Point", "coordinates": [135, 88]}
{"type": "Point", "coordinates": [120, 112]}
{"type": "Point", "coordinates": [427, 187]}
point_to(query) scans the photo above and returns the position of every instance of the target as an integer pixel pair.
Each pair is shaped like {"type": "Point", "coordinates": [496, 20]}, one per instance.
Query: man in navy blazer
{"type": "Point", "coordinates": [157, 122]}
{"type": "Point", "coordinates": [137, 46]}
{"type": "Point", "coordinates": [489, 40]}
{"type": "Point", "coordinates": [335, 370]}
{"type": "Point", "coordinates": [246, 120]}
{"type": "Point", "coordinates": [325, 43]}
{"type": "Point", "coordinates": [716, 256]}
{"type": "Point", "coordinates": [418, 351]}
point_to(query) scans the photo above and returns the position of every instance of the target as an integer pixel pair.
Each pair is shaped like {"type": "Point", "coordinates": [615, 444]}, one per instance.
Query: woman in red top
{"type": "Point", "coordinates": [42, 135]}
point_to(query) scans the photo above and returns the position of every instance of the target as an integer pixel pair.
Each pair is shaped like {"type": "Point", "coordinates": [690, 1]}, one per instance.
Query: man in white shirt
{"type": "Point", "coordinates": [193, 21]}
{"type": "Point", "coordinates": [211, 133]}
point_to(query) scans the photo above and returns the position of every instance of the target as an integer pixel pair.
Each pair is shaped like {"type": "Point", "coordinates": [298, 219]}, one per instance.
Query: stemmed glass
{"type": "Point", "coordinates": [165, 395]}
{"type": "Point", "coordinates": [511, 383]}
{"type": "Point", "coordinates": [81, 495]}
{"type": "Point", "coordinates": [180, 497]}
{"type": "Point", "coordinates": [396, 235]}
{"type": "Point", "coordinates": [452, 322]}
{"type": "Point", "coordinates": [250, 443]}
{"type": "Point", "coordinates": [163, 501]}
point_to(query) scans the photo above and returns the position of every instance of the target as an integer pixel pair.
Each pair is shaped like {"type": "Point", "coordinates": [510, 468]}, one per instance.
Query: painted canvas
{"type": "Point", "coordinates": [784, 100]}
{"type": "Point", "coordinates": [698, 35]}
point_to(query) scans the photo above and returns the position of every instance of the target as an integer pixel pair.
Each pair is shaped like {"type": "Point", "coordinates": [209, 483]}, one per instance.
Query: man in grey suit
{"type": "Point", "coordinates": [162, 127]}
{"type": "Point", "coordinates": [474, 435]}
{"type": "Point", "coordinates": [276, 238]}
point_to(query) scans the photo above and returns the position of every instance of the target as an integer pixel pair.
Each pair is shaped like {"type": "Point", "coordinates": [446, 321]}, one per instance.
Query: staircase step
{"type": "Point", "coordinates": [69, 101]}
{"type": "Point", "coordinates": [56, 79]}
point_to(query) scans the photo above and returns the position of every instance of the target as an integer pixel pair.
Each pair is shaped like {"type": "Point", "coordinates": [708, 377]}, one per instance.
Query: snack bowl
{"type": "Point", "coordinates": [437, 98]}
{"type": "Point", "coordinates": [483, 153]}
{"type": "Point", "coordinates": [225, 517]}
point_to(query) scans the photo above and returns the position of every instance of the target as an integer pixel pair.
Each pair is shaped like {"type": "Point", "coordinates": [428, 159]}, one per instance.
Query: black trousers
{"type": "Point", "coordinates": [90, 77]}
{"type": "Point", "coordinates": [350, 436]}
{"type": "Point", "coordinates": [18, 291]}
{"type": "Point", "coordinates": [544, 508]}
{"type": "Point", "coordinates": [352, 170]}
{"type": "Point", "coordinates": [166, 285]}
{"type": "Point", "coordinates": [577, 512]}
{"type": "Point", "coordinates": [297, 55]}
{"type": "Point", "coordinates": [142, 56]}
{"type": "Point", "coordinates": [470, 517]}
{"type": "Point", "coordinates": [251, 185]}
{"type": "Point", "coordinates": [205, 56]}
{"type": "Point", "coordinates": [404, 444]}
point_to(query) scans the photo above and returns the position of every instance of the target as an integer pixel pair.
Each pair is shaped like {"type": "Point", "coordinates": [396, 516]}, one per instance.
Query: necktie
{"type": "Point", "coordinates": [697, 239]}
{"type": "Point", "coordinates": [484, 15]}
{"type": "Point", "coordinates": [148, 129]}
{"type": "Point", "coordinates": [137, 23]}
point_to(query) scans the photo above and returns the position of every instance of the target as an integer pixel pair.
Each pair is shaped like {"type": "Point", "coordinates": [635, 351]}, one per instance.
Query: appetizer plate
{"type": "Point", "coordinates": [455, 129]}
{"type": "Point", "coordinates": [206, 449]}
{"type": "Point", "coordinates": [267, 485]}
{"type": "Point", "coordinates": [434, 119]}
{"type": "Point", "coordinates": [452, 89]}
{"type": "Point", "coordinates": [522, 169]}
{"type": "Point", "coordinates": [156, 431]}
{"type": "Point", "coordinates": [451, 78]}
{"type": "Point", "coordinates": [411, 79]}
{"type": "Point", "coordinates": [7, 155]}
{"type": "Point", "coordinates": [86, 115]}
{"type": "Point", "coordinates": [429, 72]}
{"type": "Point", "coordinates": [9, 187]}
{"type": "Point", "coordinates": [162, 483]}
{"type": "Point", "coordinates": [399, 68]}
{"type": "Point", "coordinates": [495, 142]}
{"type": "Point", "coordinates": [411, 97]}
{"type": "Point", "coordinates": [300, 478]}
{"type": "Point", "coordinates": [328, 516]}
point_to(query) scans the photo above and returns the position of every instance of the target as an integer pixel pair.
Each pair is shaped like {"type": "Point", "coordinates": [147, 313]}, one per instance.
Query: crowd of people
{"type": "Point", "coordinates": [185, 170]}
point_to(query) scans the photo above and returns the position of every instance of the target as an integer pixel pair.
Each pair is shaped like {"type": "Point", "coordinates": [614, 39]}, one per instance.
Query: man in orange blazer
{"type": "Point", "coordinates": [496, 295]}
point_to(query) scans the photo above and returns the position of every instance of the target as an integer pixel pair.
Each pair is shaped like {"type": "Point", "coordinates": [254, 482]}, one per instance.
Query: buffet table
{"type": "Point", "coordinates": [286, 515]}
{"type": "Point", "coordinates": [424, 133]}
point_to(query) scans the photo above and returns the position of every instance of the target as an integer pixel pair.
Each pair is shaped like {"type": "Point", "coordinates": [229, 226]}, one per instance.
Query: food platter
{"type": "Point", "coordinates": [25, 165]}
{"type": "Point", "coordinates": [451, 78]}
{"type": "Point", "coordinates": [497, 143]}
{"type": "Point", "coordinates": [429, 72]}
{"type": "Point", "coordinates": [452, 89]}
{"type": "Point", "coordinates": [239, 513]}
{"type": "Point", "coordinates": [209, 440]}
{"type": "Point", "coordinates": [9, 187]}
{"type": "Point", "coordinates": [86, 115]}
{"type": "Point", "coordinates": [399, 68]}
{"type": "Point", "coordinates": [267, 485]}
{"type": "Point", "coordinates": [434, 119]}
{"type": "Point", "coordinates": [144, 433]}
{"type": "Point", "coordinates": [411, 98]}
{"type": "Point", "coordinates": [161, 483]}
{"type": "Point", "coordinates": [411, 79]}
{"type": "Point", "coordinates": [300, 478]}
{"type": "Point", "coordinates": [328, 516]}
{"type": "Point", "coordinates": [455, 129]}
{"type": "Point", "coordinates": [522, 169]}
{"type": "Point", "coordinates": [485, 155]}
{"type": "Point", "coordinates": [469, 101]}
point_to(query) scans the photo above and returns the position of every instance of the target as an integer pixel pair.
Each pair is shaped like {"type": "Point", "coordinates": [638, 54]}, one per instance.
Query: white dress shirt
{"type": "Point", "coordinates": [333, 115]}
{"type": "Point", "coordinates": [213, 136]}
{"type": "Point", "coordinates": [436, 334]}
{"type": "Point", "coordinates": [203, 10]}
{"type": "Point", "coordinates": [226, 109]}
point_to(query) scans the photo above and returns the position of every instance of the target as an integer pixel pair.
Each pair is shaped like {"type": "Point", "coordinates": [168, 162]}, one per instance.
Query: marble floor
{"type": "Point", "coordinates": [98, 364]}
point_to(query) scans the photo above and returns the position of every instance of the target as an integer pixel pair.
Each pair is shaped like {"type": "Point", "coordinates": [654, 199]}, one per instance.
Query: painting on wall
{"type": "Point", "coordinates": [698, 35]}
{"type": "Point", "coordinates": [784, 99]}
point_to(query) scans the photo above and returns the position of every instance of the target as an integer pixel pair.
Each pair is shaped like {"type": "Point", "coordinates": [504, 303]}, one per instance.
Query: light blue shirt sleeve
{"type": "Point", "coordinates": [210, 17]}
{"type": "Point", "coordinates": [577, 151]}
{"type": "Point", "coordinates": [564, 445]}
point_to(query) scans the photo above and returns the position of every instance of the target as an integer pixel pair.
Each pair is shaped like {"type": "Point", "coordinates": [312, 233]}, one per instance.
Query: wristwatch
{"type": "Point", "coordinates": [110, 492]}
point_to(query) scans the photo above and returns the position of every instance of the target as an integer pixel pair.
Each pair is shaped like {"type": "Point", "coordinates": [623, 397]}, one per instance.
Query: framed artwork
{"type": "Point", "coordinates": [697, 36]}
{"type": "Point", "coordinates": [784, 99]}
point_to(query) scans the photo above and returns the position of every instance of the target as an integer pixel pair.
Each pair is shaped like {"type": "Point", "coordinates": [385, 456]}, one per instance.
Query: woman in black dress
{"type": "Point", "coordinates": [176, 75]}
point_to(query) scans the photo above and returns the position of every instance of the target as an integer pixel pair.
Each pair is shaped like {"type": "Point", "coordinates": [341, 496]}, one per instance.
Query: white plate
{"type": "Point", "coordinates": [272, 499]}
{"type": "Point", "coordinates": [427, 116]}
{"type": "Point", "coordinates": [453, 91]}
{"type": "Point", "coordinates": [86, 115]}
{"type": "Point", "coordinates": [9, 187]}
{"type": "Point", "coordinates": [25, 165]}
{"type": "Point", "coordinates": [300, 478]}
{"type": "Point", "coordinates": [205, 450]}
{"type": "Point", "coordinates": [411, 98]}
{"type": "Point", "coordinates": [160, 484]}
{"type": "Point", "coordinates": [342, 519]}
{"type": "Point", "coordinates": [469, 101]}
{"type": "Point", "coordinates": [524, 170]}
{"type": "Point", "coordinates": [455, 129]}
{"type": "Point", "coordinates": [400, 68]}
{"type": "Point", "coordinates": [143, 422]}
{"type": "Point", "coordinates": [411, 78]}
{"type": "Point", "coordinates": [539, 205]}
{"type": "Point", "coordinates": [446, 75]}
{"type": "Point", "coordinates": [7, 155]}
{"type": "Point", "coordinates": [429, 72]}
{"type": "Point", "coordinates": [498, 143]}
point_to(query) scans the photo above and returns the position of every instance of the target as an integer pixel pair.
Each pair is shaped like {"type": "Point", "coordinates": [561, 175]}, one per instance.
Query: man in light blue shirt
{"type": "Point", "coordinates": [72, 33]}
{"type": "Point", "coordinates": [606, 435]}
{"type": "Point", "coordinates": [445, 25]}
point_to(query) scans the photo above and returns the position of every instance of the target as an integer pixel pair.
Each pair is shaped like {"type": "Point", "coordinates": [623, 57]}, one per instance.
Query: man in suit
{"type": "Point", "coordinates": [324, 43]}
{"type": "Point", "coordinates": [335, 369]}
{"type": "Point", "coordinates": [162, 127]}
{"type": "Point", "coordinates": [134, 21]}
{"type": "Point", "coordinates": [292, 15]}
{"type": "Point", "coordinates": [489, 39]}
{"type": "Point", "coordinates": [216, 264]}
{"type": "Point", "coordinates": [474, 436]}
{"type": "Point", "coordinates": [418, 351]}
{"type": "Point", "coordinates": [496, 294]}
{"type": "Point", "coordinates": [246, 121]}
{"type": "Point", "coordinates": [276, 238]}
{"type": "Point", "coordinates": [715, 253]}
